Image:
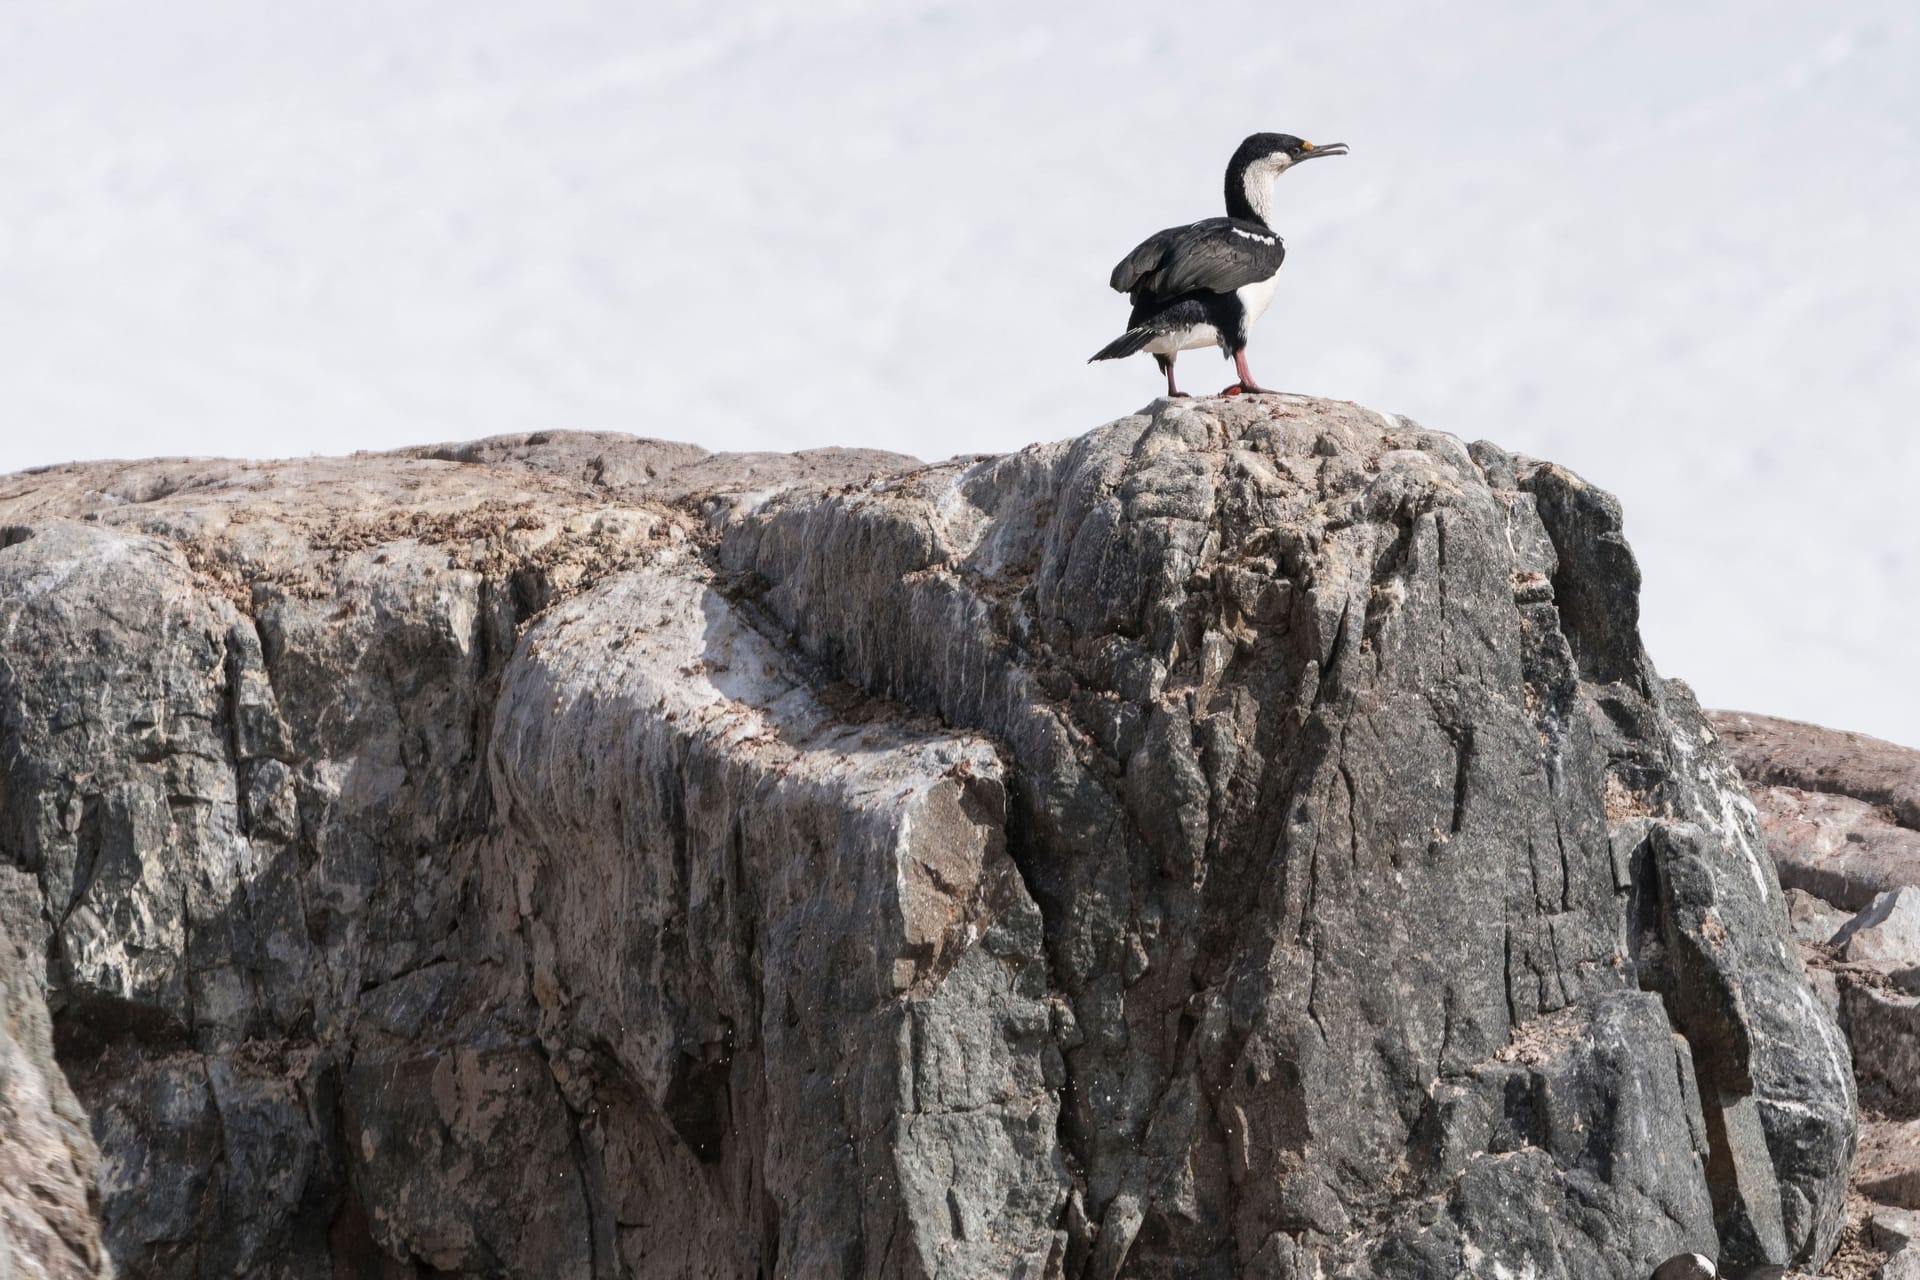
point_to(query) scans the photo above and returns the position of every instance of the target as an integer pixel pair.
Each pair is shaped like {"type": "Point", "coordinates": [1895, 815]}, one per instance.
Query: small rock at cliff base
{"type": "Point", "coordinates": [1885, 935]}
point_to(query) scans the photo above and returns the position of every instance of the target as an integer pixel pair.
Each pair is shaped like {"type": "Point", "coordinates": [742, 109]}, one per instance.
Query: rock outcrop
{"type": "Point", "coordinates": [1248, 840]}
{"type": "Point", "coordinates": [1842, 816]}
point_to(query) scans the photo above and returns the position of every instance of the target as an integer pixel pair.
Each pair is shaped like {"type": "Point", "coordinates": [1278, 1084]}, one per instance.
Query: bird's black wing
{"type": "Point", "coordinates": [1215, 256]}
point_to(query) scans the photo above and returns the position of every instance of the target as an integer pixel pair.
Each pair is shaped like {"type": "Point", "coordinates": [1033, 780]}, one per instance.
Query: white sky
{"type": "Point", "coordinates": [1673, 247]}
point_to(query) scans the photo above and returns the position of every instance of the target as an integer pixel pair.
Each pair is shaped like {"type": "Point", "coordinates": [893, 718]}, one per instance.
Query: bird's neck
{"type": "Point", "coordinates": [1250, 197]}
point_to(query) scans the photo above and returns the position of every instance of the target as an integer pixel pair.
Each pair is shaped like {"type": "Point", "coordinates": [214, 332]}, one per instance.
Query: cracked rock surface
{"type": "Point", "coordinates": [1246, 840]}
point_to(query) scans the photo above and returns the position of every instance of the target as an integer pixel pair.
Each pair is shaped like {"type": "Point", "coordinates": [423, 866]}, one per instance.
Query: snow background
{"type": "Point", "coordinates": [1672, 247]}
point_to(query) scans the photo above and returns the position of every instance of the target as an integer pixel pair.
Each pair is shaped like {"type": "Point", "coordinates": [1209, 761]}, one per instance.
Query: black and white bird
{"type": "Point", "coordinates": [1205, 284]}
{"type": "Point", "coordinates": [1686, 1266]}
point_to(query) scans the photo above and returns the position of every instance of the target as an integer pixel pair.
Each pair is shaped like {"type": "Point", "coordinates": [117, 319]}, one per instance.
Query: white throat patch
{"type": "Point", "coordinates": [1258, 183]}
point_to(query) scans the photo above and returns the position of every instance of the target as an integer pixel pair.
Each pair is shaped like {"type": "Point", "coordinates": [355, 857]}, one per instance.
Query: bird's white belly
{"type": "Point", "coordinates": [1256, 297]}
{"type": "Point", "coordinates": [1199, 335]}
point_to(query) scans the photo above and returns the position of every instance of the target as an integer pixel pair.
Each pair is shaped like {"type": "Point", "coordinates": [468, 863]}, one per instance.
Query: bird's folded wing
{"type": "Point", "coordinates": [1215, 256]}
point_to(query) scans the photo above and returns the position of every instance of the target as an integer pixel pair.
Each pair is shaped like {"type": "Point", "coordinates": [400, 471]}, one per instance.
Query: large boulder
{"type": "Point", "coordinates": [1247, 840]}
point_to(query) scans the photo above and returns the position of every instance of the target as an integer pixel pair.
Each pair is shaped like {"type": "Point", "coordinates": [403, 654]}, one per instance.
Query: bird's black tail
{"type": "Point", "coordinates": [1126, 344]}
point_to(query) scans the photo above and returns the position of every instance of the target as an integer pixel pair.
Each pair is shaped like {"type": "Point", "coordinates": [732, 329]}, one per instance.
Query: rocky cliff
{"type": "Point", "coordinates": [1247, 840]}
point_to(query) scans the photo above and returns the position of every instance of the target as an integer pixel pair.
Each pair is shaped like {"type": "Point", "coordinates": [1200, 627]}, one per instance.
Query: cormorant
{"type": "Point", "coordinates": [1206, 283]}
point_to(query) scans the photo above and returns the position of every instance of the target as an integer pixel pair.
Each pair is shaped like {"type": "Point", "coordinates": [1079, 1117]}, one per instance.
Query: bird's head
{"type": "Point", "coordinates": [1258, 161]}
{"type": "Point", "coordinates": [1275, 153]}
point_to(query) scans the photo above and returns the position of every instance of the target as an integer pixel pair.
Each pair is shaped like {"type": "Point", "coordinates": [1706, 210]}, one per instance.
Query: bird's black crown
{"type": "Point", "coordinates": [1261, 145]}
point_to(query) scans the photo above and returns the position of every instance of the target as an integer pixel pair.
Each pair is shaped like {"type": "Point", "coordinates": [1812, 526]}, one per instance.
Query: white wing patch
{"type": "Point", "coordinates": [1252, 235]}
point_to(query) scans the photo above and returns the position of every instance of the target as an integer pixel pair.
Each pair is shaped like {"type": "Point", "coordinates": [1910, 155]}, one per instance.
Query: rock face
{"type": "Point", "coordinates": [1247, 840]}
{"type": "Point", "coordinates": [49, 1168]}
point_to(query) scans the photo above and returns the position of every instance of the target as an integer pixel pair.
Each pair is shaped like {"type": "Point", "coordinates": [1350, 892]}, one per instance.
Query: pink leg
{"type": "Point", "coordinates": [1246, 385]}
{"type": "Point", "coordinates": [1173, 392]}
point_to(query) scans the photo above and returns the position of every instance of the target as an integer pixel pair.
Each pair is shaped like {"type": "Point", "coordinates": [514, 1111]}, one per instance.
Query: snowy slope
{"type": "Point", "coordinates": [1670, 246]}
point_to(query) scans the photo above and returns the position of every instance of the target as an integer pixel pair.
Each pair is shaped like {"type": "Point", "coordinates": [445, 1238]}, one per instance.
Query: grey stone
{"type": "Point", "coordinates": [1884, 1026]}
{"type": "Point", "coordinates": [1904, 1265]}
{"type": "Point", "coordinates": [1248, 839]}
{"type": "Point", "coordinates": [1814, 919]}
{"type": "Point", "coordinates": [1895, 1230]}
{"type": "Point", "coordinates": [1886, 933]}
{"type": "Point", "coordinates": [1402, 707]}
{"type": "Point", "coordinates": [1898, 1232]}
{"type": "Point", "coordinates": [1739, 994]}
